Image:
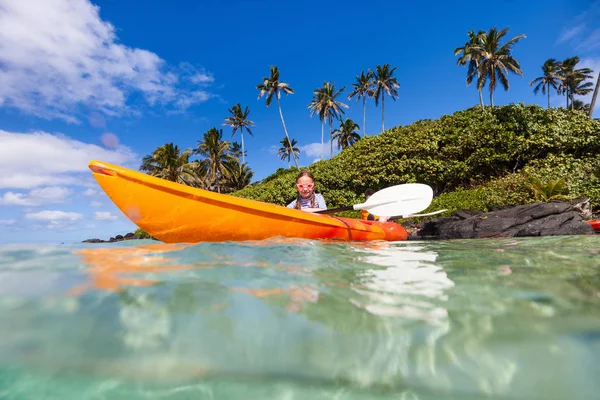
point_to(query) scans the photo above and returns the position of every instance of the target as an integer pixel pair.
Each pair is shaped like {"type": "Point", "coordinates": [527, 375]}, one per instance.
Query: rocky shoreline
{"type": "Point", "coordinates": [117, 238]}
{"type": "Point", "coordinates": [537, 219]}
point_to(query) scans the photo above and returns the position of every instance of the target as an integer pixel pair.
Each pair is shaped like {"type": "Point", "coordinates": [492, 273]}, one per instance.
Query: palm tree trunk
{"type": "Point", "coordinates": [548, 95]}
{"type": "Point", "coordinates": [382, 104]}
{"type": "Point", "coordinates": [480, 90]}
{"type": "Point", "coordinates": [330, 138]}
{"type": "Point", "coordinates": [323, 139]}
{"type": "Point", "coordinates": [364, 116]}
{"type": "Point", "coordinates": [491, 98]}
{"type": "Point", "coordinates": [481, 98]}
{"type": "Point", "coordinates": [286, 133]}
{"type": "Point", "coordinates": [243, 159]}
{"type": "Point", "coordinates": [594, 96]}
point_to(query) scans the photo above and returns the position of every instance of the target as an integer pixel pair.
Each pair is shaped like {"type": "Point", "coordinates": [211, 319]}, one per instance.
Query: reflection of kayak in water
{"type": "Point", "coordinates": [175, 213]}
{"type": "Point", "coordinates": [107, 266]}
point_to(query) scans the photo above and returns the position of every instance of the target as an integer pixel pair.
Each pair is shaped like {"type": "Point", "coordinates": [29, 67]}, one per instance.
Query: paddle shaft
{"type": "Point", "coordinates": [363, 206]}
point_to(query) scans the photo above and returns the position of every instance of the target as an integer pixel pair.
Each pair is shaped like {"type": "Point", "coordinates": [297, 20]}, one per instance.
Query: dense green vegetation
{"type": "Point", "coordinates": [472, 159]}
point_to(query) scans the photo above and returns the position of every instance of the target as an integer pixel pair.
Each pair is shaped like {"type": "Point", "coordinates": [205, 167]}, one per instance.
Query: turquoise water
{"type": "Point", "coordinates": [299, 319]}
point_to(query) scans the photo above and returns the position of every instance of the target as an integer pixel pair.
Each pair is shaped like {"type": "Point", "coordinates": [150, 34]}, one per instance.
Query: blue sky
{"type": "Point", "coordinates": [113, 80]}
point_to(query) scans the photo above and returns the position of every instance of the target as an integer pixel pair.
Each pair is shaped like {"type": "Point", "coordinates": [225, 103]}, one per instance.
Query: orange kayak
{"type": "Point", "coordinates": [595, 224]}
{"type": "Point", "coordinates": [176, 213]}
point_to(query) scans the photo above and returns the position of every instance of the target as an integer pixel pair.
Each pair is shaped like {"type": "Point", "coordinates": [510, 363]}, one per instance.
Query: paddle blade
{"type": "Point", "coordinates": [408, 198]}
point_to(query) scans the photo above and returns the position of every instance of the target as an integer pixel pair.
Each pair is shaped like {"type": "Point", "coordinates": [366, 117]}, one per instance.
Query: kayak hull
{"type": "Point", "coordinates": [176, 213]}
{"type": "Point", "coordinates": [595, 224]}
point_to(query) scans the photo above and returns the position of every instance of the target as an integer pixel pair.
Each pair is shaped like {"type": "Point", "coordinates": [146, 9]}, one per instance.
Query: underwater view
{"type": "Point", "coordinates": [297, 319]}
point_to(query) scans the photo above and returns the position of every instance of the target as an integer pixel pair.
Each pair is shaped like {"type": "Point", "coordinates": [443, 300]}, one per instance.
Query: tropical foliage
{"type": "Point", "coordinates": [346, 134]}
{"type": "Point", "coordinates": [288, 149]}
{"type": "Point", "coordinates": [168, 162]}
{"type": "Point", "coordinates": [489, 59]}
{"type": "Point", "coordinates": [363, 89]}
{"type": "Point", "coordinates": [325, 104]}
{"type": "Point", "coordinates": [239, 121]}
{"type": "Point", "coordinates": [218, 169]}
{"type": "Point", "coordinates": [453, 154]}
{"type": "Point", "coordinates": [471, 159]}
{"type": "Point", "coordinates": [384, 82]}
{"type": "Point", "coordinates": [271, 87]}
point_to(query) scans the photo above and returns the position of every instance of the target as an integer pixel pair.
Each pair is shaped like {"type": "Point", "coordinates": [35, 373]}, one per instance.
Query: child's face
{"type": "Point", "coordinates": [305, 186]}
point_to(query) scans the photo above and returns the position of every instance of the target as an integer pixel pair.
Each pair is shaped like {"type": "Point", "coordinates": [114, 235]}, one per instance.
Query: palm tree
{"type": "Point", "coordinates": [288, 149]}
{"type": "Point", "coordinates": [236, 150]}
{"type": "Point", "coordinates": [384, 82]}
{"type": "Point", "coordinates": [216, 153]}
{"type": "Point", "coordinates": [580, 105]}
{"type": "Point", "coordinates": [167, 162]}
{"type": "Point", "coordinates": [317, 105]}
{"type": "Point", "coordinates": [551, 78]}
{"type": "Point", "coordinates": [325, 103]}
{"type": "Point", "coordinates": [363, 88]}
{"type": "Point", "coordinates": [346, 134]}
{"type": "Point", "coordinates": [239, 120]}
{"type": "Point", "coordinates": [272, 87]}
{"type": "Point", "coordinates": [238, 176]}
{"type": "Point", "coordinates": [497, 60]}
{"type": "Point", "coordinates": [471, 53]}
{"type": "Point", "coordinates": [574, 80]}
{"type": "Point", "coordinates": [594, 96]}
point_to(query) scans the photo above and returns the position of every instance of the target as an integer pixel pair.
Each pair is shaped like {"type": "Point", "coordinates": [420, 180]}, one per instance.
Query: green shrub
{"type": "Point", "coordinates": [472, 159]}
{"type": "Point", "coordinates": [142, 234]}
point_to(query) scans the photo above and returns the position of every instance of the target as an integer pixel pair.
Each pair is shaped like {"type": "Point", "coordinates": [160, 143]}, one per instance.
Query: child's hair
{"type": "Point", "coordinates": [302, 173]}
{"type": "Point", "coordinates": [305, 172]}
{"type": "Point", "coordinates": [369, 192]}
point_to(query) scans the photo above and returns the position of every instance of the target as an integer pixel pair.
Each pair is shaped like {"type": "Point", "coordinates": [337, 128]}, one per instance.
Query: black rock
{"type": "Point", "coordinates": [537, 219]}
{"type": "Point", "coordinates": [93, 241]}
{"type": "Point", "coordinates": [117, 238]}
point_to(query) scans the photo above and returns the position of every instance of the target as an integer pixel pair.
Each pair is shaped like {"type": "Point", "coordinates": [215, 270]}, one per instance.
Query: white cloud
{"type": "Point", "coordinates": [202, 77]}
{"type": "Point", "coordinates": [105, 216]}
{"type": "Point", "coordinates": [186, 100]}
{"type": "Point", "coordinates": [590, 41]}
{"type": "Point", "coordinates": [582, 31]}
{"type": "Point", "coordinates": [36, 197]}
{"type": "Point", "coordinates": [96, 204]}
{"type": "Point", "coordinates": [8, 222]}
{"type": "Point", "coordinates": [58, 55]}
{"type": "Point", "coordinates": [51, 159]}
{"type": "Point", "coordinates": [314, 149]}
{"type": "Point", "coordinates": [570, 32]}
{"type": "Point", "coordinates": [54, 219]}
{"type": "Point", "coordinates": [90, 192]}
{"type": "Point", "coordinates": [48, 215]}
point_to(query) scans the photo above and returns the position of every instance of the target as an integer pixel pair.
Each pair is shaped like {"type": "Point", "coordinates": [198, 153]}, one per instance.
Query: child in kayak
{"type": "Point", "coordinates": [364, 214]}
{"type": "Point", "coordinates": [307, 199]}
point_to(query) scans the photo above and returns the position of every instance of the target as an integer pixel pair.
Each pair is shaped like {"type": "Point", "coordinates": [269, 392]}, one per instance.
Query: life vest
{"type": "Point", "coordinates": [364, 214]}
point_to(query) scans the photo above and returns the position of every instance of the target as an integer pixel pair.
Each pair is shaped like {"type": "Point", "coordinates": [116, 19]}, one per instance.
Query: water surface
{"type": "Point", "coordinates": [302, 319]}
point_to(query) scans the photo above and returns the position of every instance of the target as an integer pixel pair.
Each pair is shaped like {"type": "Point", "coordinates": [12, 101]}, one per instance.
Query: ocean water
{"type": "Point", "coordinates": [302, 319]}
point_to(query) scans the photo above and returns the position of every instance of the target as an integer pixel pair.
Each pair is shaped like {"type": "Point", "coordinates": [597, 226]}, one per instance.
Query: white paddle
{"type": "Point", "coordinates": [405, 199]}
